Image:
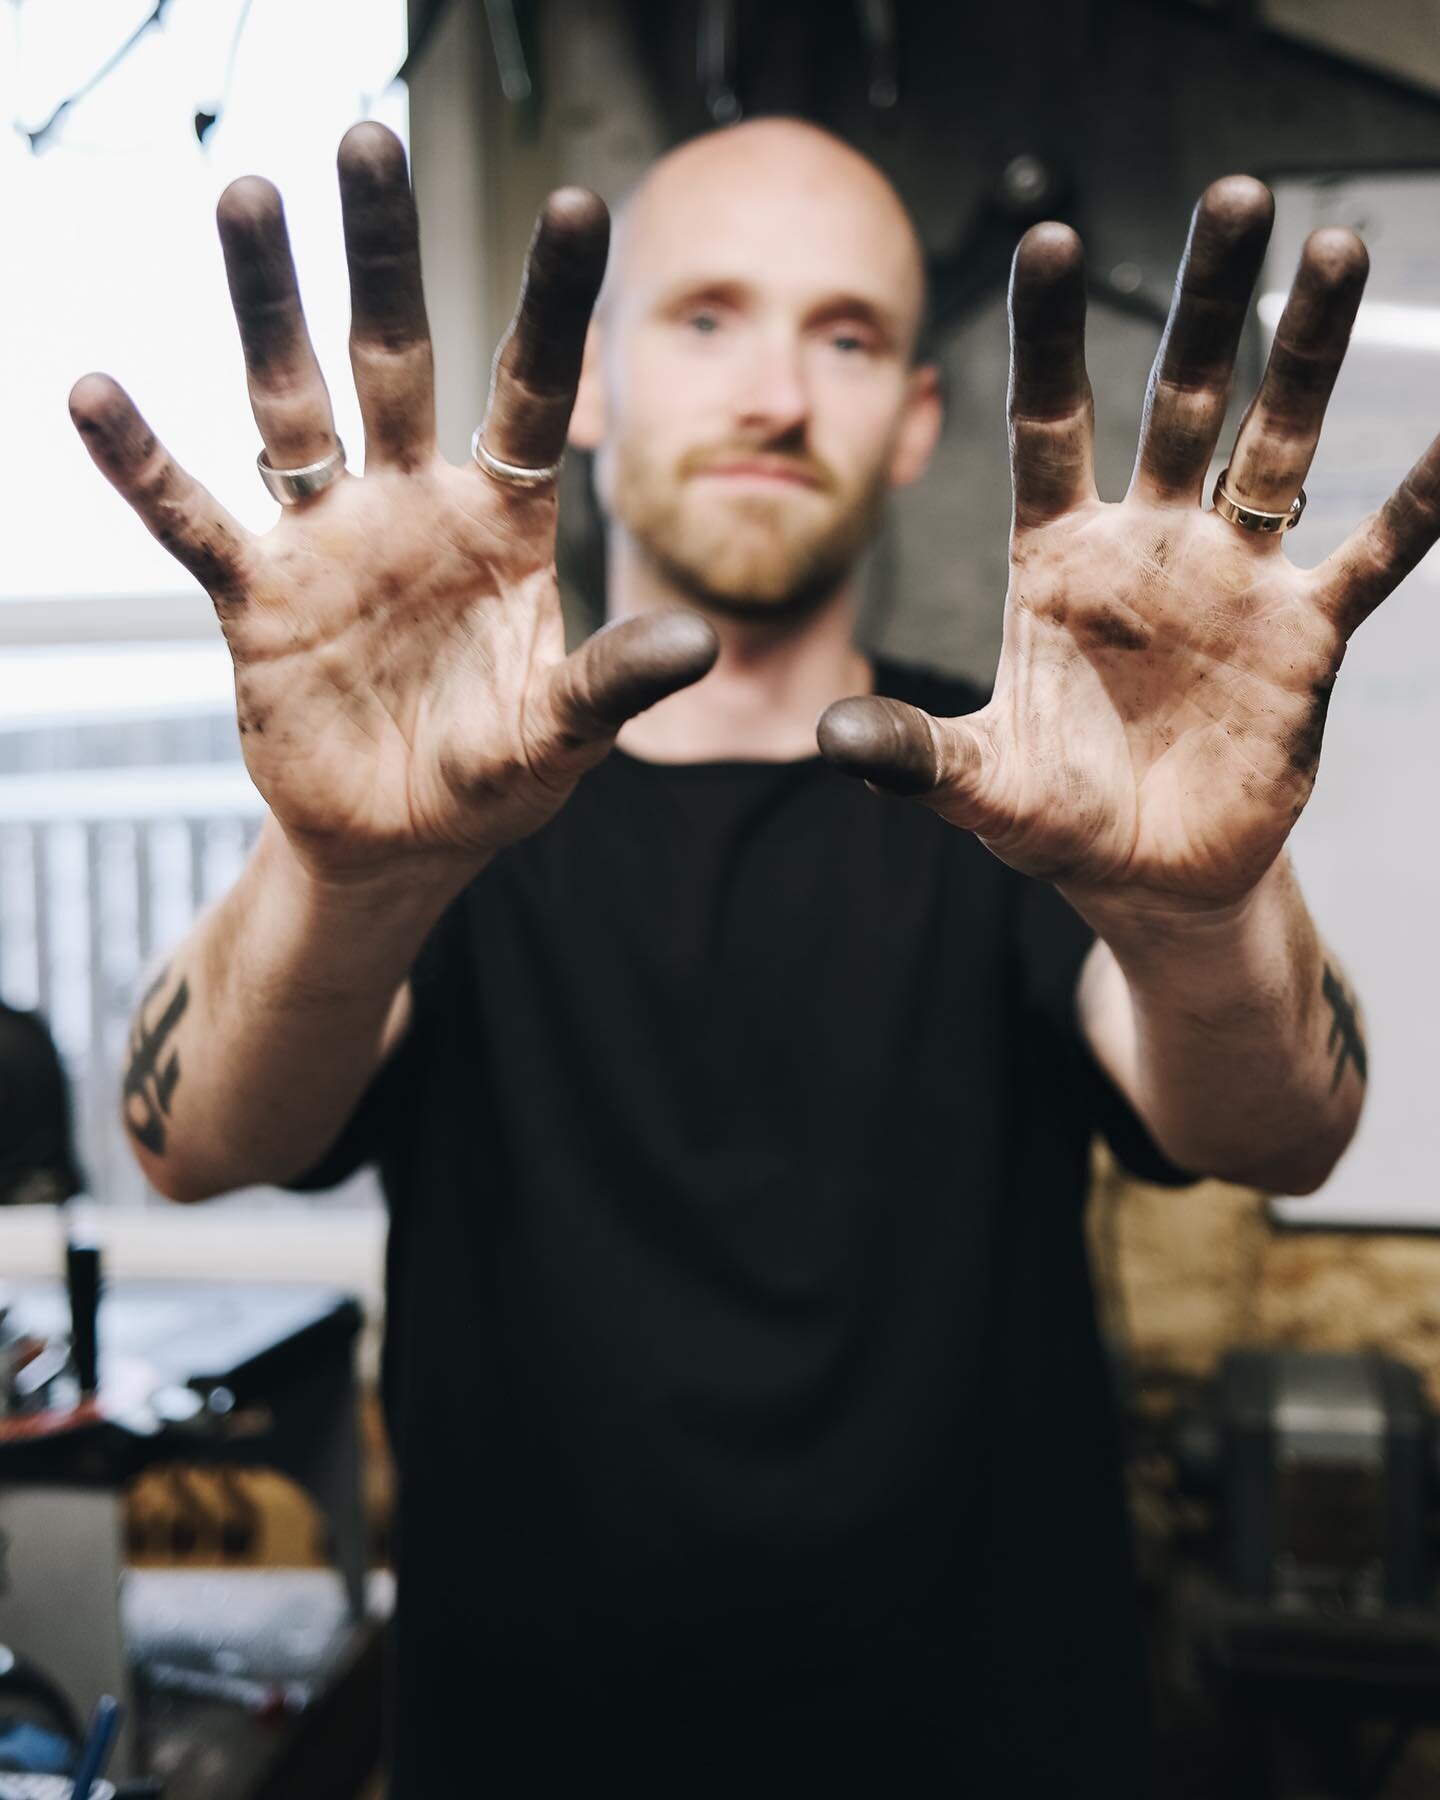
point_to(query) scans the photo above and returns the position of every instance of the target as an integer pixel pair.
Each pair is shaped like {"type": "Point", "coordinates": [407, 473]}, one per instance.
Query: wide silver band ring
{"type": "Point", "coordinates": [289, 486]}
{"type": "Point", "coordinates": [514, 473]}
{"type": "Point", "coordinates": [1250, 518]}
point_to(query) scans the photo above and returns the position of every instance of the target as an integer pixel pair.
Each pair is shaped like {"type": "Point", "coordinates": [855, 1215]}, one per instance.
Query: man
{"type": "Point", "coordinates": [746, 1396]}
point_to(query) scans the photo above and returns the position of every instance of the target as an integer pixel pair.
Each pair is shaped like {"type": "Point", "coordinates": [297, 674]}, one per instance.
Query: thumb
{"type": "Point", "coordinates": [624, 668]}
{"type": "Point", "coordinates": [903, 750]}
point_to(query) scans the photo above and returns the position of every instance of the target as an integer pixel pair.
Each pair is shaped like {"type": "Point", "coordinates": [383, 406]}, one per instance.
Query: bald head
{"type": "Point", "coordinates": [782, 174]}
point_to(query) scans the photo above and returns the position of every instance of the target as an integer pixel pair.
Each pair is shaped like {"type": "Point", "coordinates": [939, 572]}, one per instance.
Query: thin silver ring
{"type": "Point", "coordinates": [290, 486]}
{"type": "Point", "coordinates": [1250, 518]}
{"type": "Point", "coordinates": [511, 472]}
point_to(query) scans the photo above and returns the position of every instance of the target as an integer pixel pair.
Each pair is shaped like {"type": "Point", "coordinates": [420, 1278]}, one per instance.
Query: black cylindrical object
{"type": "Point", "coordinates": [82, 1277]}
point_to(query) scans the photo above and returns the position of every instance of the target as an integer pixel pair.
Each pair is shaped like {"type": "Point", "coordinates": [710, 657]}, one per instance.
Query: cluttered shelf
{"type": "Point", "coordinates": [236, 1683]}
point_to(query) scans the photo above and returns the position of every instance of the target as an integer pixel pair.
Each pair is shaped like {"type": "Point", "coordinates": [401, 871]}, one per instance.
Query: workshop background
{"type": "Point", "coordinates": [1110, 113]}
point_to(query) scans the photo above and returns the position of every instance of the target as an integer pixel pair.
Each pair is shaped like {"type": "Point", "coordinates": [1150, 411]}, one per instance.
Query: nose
{"type": "Point", "coordinates": [773, 400]}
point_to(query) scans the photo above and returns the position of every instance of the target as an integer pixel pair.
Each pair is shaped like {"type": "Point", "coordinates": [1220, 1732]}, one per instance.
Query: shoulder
{"type": "Point", "coordinates": [946, 696]}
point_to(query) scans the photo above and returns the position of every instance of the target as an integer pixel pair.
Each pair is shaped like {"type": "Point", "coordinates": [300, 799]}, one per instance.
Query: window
{"type": "Point", "coordinates": [118, 266]}
{"type": "Point", "coordinates": [123, 803]}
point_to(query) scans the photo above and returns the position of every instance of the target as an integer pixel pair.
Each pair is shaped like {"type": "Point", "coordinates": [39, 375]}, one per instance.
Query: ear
{"type": "Point", "coordinates": [919, 429]}
{"type": "Point", "coordinates": [587, 419]}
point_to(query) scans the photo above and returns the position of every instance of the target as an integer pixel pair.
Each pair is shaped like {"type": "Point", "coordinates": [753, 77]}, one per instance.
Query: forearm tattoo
{"type": "Point", "coordinates": [1345, 1043]}
{"type": "Point", "coordinates": [149, 1082]}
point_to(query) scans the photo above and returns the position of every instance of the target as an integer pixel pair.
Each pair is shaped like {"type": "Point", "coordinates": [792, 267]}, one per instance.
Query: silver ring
{"type": "Point", "coordinates": [1250, 518]}
{"type": "Point", "coordinates": [511, 472]}
{"type": "Point", "coordinates": [290, 486]}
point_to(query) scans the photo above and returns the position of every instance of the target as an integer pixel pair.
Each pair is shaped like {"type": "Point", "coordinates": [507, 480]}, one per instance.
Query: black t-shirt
{"type": "Point", "coordinates": [749, 1407]}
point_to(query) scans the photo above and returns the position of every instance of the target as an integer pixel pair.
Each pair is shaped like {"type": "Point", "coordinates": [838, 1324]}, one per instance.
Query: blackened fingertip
{"type": "Point", "coordinates": [1047, 283]}
{"type": "Point", "coordinates": [633, 663]}
{"type": "Point", "coordinates": [563, 270]}
{"type": "Point", "coordinates": [1050, 251]}
{"type": "Point", "coordinates": [1326, 292]}
{"type": "Point", "coordinates": [93, 399]}
{"type": "Point", "coordinates": [250, 204]}
{"type": "Point", "coordinates": [571, 242]}
{"type": "Point", "coordinates": [371, 150]}
{"type": "Point", "coordinates": [1337, 254]}
{"type": "Point", "coordinates": [576, 210]}
{"type": "Point", "coordinates": [1239, 203]}
{"type": "Point", "coordinates": [673, 644]}
{"type": "Point", "coordinates": [1229, 231]}
{"type": "Point", "coordinates": [685, 641]}
{"type": "Point", "coordinates": [883, 742]}
{"type": "Point", "coordinates": [106, 418]}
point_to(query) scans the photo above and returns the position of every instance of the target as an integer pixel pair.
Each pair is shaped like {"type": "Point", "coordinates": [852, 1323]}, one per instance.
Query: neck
{"type": "Point", "coordinates": [771, 681]}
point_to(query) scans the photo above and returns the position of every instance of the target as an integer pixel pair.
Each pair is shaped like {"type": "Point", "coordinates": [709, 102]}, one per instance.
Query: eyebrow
{"type": "Point", "coordinates": [881, 319]}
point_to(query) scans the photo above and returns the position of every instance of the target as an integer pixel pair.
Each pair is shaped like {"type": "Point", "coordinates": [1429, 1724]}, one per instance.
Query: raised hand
{"type": "Point", "coordinates": [400, 672]}
{"type": "Point", "coordinates": [1162, 689]}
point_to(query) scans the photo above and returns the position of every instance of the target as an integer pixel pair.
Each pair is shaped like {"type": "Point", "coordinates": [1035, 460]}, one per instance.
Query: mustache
{"type": "Point", "coordinates": [803, 463]}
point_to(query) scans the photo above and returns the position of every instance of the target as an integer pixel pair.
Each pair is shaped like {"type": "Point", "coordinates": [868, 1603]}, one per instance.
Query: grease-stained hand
{"type": "Point", "coordinates": [400, 671]}
{"type": "Point", "coordinates": [1161, 695]}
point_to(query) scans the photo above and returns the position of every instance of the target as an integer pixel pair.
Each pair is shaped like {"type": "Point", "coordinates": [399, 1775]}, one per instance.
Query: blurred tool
{"type": "Point", "coordinates": [880, 36]}
{"type": "Point", "coordinates": [17, 1350]}
{"type": "Point", "coordinates": [263, 1699]}
{"type": "Point", "coordinates": [715, 60]}
{"type": "Point", "coordinates": [61, 1787]}
{"type": "Point", "coordinates": [509, 45]}
{"type": "Point", "coordinates": [95, 1752]}
{"type": "Point", "coordinates": [83, 1284]}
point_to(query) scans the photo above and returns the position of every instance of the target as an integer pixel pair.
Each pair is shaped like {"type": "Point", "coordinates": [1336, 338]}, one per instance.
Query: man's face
{"type": "Point", "coordinates": [757, 369]}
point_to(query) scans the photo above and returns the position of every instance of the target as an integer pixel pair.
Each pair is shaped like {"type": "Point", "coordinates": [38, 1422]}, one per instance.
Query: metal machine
{"type": "Point", "coordinates": [1316, 1621]}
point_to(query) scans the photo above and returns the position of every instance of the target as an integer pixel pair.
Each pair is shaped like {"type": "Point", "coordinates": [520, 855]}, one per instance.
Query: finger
{"type": "Point", "coordinates": [537, 367]}
{"type": "Point", "coordinates": [1052, 415]}
{"type": "Point", "coordinates": [186, 519]}
{"type": "Point", "coordinates": [1278, 435]}
{"type": "Point", "coordinates": [625, 667]}
{"type": "Point", "coordinates": [287, 391]}
{"type": "Point", "coordinates": [1190, 382]}
{"type": "Point", "coordinates": [389, 333]}
{"type": "Point", "coordinates": [1383, 549]}
{"type": "Point", "coordinates": [901, 749]}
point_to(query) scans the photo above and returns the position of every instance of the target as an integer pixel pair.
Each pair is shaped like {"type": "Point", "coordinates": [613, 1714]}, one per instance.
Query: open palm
{"type": "Point", "coordinates": [400, 670]}
{"type": "Point", "coordinates": [1160, 701]}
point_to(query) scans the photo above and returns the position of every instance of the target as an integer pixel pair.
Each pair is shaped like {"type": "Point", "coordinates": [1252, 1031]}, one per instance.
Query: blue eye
{"type": "Point", "coordinates": [705, 323]}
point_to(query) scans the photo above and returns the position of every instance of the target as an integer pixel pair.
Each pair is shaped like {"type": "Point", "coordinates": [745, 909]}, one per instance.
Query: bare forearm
{"type": "Point", "coordinates": [251, 1049]}
{"type": "Point", "coordinates": [1234, 1035]}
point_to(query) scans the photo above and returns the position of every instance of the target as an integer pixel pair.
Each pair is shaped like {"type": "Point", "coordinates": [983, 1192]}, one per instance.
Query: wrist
{"type": "Point", "coordinates": [1135, 922]}
{"type": "Point", "coordinates": [1257, 953]}
{"type": "Point", "coordinates": [404, 886]}
{"type": "Point", "coordinates": [346, 929]}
